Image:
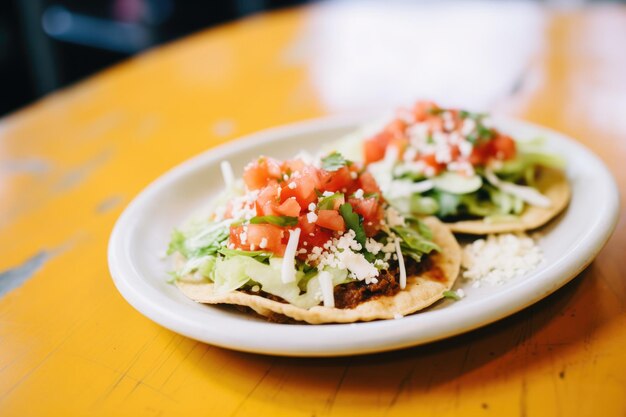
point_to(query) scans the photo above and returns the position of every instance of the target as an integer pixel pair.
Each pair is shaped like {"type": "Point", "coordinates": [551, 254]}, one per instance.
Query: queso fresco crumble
{"type": "Point", "coordinates": [500, 258]}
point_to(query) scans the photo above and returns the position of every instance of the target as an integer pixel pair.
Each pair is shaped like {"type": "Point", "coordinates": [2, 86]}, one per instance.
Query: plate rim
{"type": "Point", "coordinates": [401, 333]}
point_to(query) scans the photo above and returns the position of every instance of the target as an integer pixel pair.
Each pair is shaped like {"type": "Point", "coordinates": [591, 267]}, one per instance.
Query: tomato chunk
{"type": "Point", "coordinates": [289, 207]}
{"type": "Point", "coordinates": [371, 211]}
{"type": "Point", "coordinates": [503, 147]}
{"type": "Point", "coordinates": [266, 237]}
{"type": "Point", "coordinates": [257, 174]}
{"type": "Point", "coordinates": [375, 147]}
{"type": "Point", "coordinates": [340, 180]}
{"type": "Point", "coordinates": [311, 235]}
{"type": "Point", "coordinates": [424, 110]}
{"type": "Point", "coordinates": [368, 184]}
{"type": "Point", "coordinates": [331, 219]}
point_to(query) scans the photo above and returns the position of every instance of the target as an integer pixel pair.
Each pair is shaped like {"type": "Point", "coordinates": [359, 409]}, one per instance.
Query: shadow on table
{"type": "Point", "coordinates": [502, 350]}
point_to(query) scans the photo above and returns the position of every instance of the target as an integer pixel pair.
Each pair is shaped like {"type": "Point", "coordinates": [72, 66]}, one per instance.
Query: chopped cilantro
{"type": "Point", "coordinates": [484, 132]}
{"type": "Point", "coordinates": [334, 161]}
{"type": "Point", "coordinates": [276, 220]}
{"type": "Point", "coordinates": [354, 222]}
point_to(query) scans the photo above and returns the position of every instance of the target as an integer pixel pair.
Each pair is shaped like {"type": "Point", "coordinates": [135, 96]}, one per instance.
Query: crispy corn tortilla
{"type": "Point", "coordinates": [551, 183]}
{"type": "Point", "coordinates": [421, 291]}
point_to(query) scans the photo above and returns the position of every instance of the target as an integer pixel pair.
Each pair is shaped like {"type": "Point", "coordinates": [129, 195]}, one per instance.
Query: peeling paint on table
{"type": "Point", "coordinates": [16, 276]}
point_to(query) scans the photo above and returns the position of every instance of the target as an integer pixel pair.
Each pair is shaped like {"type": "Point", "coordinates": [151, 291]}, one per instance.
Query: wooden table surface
{"type": "Point", "coordinates": [71, 345]}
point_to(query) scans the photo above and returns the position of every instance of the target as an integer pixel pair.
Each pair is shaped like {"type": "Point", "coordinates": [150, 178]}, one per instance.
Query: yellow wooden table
{"type": "Point", "coordinates": [69, 343]}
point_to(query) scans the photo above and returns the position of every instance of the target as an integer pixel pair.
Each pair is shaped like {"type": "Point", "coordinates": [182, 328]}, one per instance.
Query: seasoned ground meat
{"type": "Point", "coordinates": [352, 294]}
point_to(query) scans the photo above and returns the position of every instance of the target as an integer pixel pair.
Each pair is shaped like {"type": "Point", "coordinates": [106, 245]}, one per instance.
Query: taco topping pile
{"type": "Point", "coordinates": [304, 233]}
{"type": "Point", "coordinates": [454, 164]}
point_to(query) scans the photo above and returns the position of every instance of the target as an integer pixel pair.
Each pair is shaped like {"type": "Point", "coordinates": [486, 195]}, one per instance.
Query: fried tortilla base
{"type": "Point", "coordinates": [421, 291]}
{"type": "Point", "coordinates": [551, 183]}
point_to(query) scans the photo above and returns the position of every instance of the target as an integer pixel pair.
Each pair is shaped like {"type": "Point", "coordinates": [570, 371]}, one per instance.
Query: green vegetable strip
{"type": "Point", "coordinates": [276, 220]}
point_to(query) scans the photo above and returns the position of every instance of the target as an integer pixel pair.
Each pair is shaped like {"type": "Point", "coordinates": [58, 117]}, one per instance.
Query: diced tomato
{"type": "Point", "coordinates": [255, 235]}
{"type": "Point", "coordinates": [311, 235]}
{"type": "Point", "coordinates": [257, 174]}
{"type": "Point", "coordinates": [375, 147]}
{"type": "Point", "coordinates": [337, 180]}
{"type": "Point", "coordinates": [368, 184]}
{"type": "Point", "coordinates": [431, 161]}
{"type": "Point", "coordinates": [366, 207]}
{"type": "Point", "coordinates": [454, 152]}
{"type": "Point", "coordinates": [303, 188]}
{"type": "Point", "coordinates": [423, 110]}
{"type": "Point", "coordinates": [371, 211]}
{"type": "Point", "coordinates": [293, 165]}
{"type": "Point", "coordinates": [331, 219]}
{"type": "Point", "coordinates": [397, 128]}
{"type": "Point", "coordinates": [503, 147]}
{"type": "Point", "coordinates": [268, 201]}
{"type": "Point", "coordinates": [289, 207]}
{"type": "Point", "coordinates": [479, 155]}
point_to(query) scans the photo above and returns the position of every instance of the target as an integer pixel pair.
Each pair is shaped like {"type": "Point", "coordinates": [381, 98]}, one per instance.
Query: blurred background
{"type": "Point", "coordinates": [47, 44]}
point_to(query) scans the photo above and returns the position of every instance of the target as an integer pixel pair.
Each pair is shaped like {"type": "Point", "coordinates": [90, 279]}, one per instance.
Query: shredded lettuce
{"type": "Point", "coordinates": [259, 255]}
{"type": "Point", "coordinates": [235, 272]}
{"type": "Point", "coordinates": [413, 243]}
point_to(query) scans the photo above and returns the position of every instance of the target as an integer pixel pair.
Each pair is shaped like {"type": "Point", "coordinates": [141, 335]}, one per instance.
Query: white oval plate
{"type": "Point", "coordinates": [142, 233]}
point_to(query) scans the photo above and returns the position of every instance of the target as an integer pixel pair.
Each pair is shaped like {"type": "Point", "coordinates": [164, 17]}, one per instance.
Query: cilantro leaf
{"type": "Point", "coordinates": [334, 161]}
{"type": "Point", "coordinates": [353, 221]}
{"type": "Point", "coordinates": [276, 220]}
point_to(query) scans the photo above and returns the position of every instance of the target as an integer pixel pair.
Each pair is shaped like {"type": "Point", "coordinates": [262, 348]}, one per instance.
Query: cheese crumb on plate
{"type": "Point", "coordinates": [500, 258]}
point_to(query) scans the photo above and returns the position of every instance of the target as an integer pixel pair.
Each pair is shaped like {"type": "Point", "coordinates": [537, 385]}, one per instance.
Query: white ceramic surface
{"type": "Point", "coordinates": [142, 233]}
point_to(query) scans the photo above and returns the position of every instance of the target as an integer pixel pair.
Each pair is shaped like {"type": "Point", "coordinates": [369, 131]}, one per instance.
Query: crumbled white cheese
{"type": "Point", "coordinates": [326, 286]}
{"type": "Point", "coordinates": [292, 185]}
{"type": "Point", "coordinates": [263, 243]}
{"type": "Point", "coordinates": [358, 193]}
{"type": "Point", "coordinates": [288, 269]}
{"type": "Point", "coordinates": [499, 258]}
{"type": "Point", "coordinates": [312, 207]}
{"type": "Point", "coordinates": [401, 265]}
{"type": "Point", "coordinates": [311, 217]}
